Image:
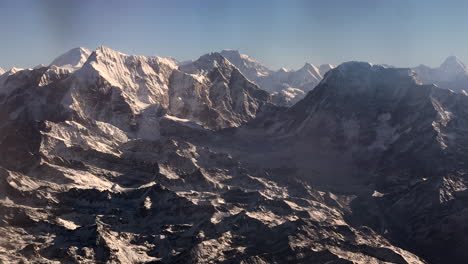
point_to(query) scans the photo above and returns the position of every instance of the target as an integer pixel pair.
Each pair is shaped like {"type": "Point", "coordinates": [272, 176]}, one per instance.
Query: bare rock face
{"type": "Point", "coordinates": [133, 159]}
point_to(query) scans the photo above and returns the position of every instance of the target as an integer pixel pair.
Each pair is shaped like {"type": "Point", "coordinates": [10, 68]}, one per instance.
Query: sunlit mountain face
{"type": "Point", "coordinates": [109, 157]}
{"type": "Point", "coordinates": [250, 132]}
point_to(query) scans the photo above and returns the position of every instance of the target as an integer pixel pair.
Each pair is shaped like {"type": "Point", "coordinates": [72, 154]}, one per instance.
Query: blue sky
{"type": "Point", "coordinates": [277, 33]}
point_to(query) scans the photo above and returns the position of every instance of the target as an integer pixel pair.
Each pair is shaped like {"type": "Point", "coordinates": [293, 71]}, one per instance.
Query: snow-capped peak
{"type": "Point", "coordinates": [251, 68]}
{"type": "Point", "coordinates": [72, 59]}
{"type": "Point", "coordinates": [312, 69]}
{"type": "Point", "coordinates": [14, 70]}
{"type": "Point", "coordinates": [206, 63]}
{"type": "Point", "coordinates": [324, 68]}
{"type": "Point", "coordinates": [2, 71]}
{"type": "Point", "coordinates": [452, 74]}
{"type": "Point", "coordinates": [453, 65]}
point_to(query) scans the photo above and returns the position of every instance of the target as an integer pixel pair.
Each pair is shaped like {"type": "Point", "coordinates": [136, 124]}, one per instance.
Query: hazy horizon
{"type": "Point", "coordinates": [276, 33]}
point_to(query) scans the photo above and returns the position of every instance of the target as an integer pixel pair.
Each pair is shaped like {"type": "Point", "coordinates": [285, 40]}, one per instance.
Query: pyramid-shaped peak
{"type": "Point", "coordinates": [310, 69]}
{"type": "Point", "coordinates": [452, 58]}
{"type": "Point", "coordinates": [453, 63]}
{"type": "Point", "coordinates": [73, 58]}
{"type": "Point", "coordinates": [309, 66]}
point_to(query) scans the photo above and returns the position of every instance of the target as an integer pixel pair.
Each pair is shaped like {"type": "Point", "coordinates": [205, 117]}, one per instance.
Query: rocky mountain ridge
{"type": "Point", "coordinates": [133, 159]}
{"type": "Point", "coordinates": [286, 86]}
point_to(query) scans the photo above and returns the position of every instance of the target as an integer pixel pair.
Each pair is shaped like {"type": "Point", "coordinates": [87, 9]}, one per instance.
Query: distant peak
{"type": "Point", "coordinates": [235, 56]}
{"type": "Point", "coordinates": [353, 65]}
{"type": "Point", "coordinates": [15, 70]}
{"type": "Point", "coordinates": [452, 58]}
{"type": "Point", "coordinates": [309, 66]}
{"type": "Point", "coordinates": [73, 58]}
{"type": "Point", "coordinates": [212, 56]}
{"type": "Point", "coordinates": [358, 70]}
{"type": "Point", "coordinates": [206, 63]}
{"type": "Point", "coordinates": [324, 68]}
{"type": "Point", "coordinates": [81, 49]}
{"type": "Point", "coordinates": [230, 52]}
{"type": "Point", "coordinates": [453, 63]}
{"type": "Point", "coordinates": [78, 51]}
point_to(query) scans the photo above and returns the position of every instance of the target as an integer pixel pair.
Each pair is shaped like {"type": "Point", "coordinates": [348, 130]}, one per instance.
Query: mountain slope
{"type": "Point", "coordinates": [398, 145]}
{"type": "Point", "coordinates": [80, 182]}
{"type": "Point", "coordinates": [222, 97]}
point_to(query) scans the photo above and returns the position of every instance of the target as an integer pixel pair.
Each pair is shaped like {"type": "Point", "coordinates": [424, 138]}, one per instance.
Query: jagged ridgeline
{"type": "Point", "coordinates": [108, 157]}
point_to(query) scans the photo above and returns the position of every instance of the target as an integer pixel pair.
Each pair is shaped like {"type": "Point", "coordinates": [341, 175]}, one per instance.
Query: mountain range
{"type": "Point", "coordinates": [114, 158]}
{"type": "Point", "coordinates": [451, 74]}
{"type": "Point", "coordinates": [286, 86]}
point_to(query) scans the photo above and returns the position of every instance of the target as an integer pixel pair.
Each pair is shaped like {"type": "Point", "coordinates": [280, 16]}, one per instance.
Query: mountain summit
{"type": "Point", "coordinates": [248, 66]}
{"type": "Point", "coordinates": [452, 74]}
{"type": "Point", "coordinates": [453, 66]}
{"type": "Point", "coordinates": [72, 59]}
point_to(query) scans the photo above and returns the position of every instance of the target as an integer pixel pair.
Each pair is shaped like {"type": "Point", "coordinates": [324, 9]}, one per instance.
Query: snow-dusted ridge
{"type": "Point", "coordinates": [137, 159]}
{"type": "Point", "coordinates": [279, 82]}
